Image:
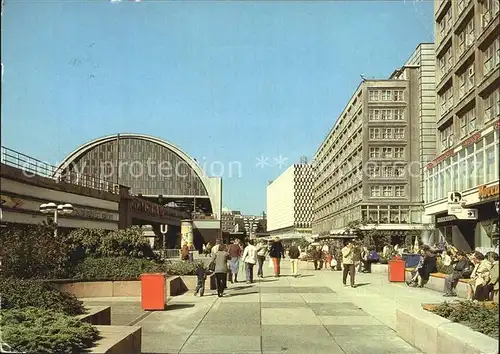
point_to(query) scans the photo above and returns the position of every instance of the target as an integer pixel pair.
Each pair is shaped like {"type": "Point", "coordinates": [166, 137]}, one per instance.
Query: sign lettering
{"type": "Point", "coordinates": [446, 218]}
{"type": "Point", "coordinates": [471, 140]}
{"type": "Point", "coordinates": [487, 192]}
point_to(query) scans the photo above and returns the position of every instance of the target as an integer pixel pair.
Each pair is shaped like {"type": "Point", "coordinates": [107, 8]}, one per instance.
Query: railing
{"type": "Point", "coordinates": [33, 167]}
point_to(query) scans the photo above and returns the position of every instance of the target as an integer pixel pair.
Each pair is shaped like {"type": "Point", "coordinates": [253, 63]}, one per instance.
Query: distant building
{"type": "Point", "coordinates": [290, 202]}
{"type": "Point", "coordinates": [370, 166]}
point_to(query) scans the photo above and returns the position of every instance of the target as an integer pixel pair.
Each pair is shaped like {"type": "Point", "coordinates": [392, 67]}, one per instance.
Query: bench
{"type": "Point", "coordinates": [436, 283]}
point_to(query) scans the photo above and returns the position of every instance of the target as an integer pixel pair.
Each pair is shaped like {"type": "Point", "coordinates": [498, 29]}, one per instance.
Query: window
{"type": "Point", "coordinates": [387, 191]}
{"type": "Point", "coordinates": [399, 191]}
{"type": "Point", "coordinates": [446, 136]}
{"type": "Point", "coordinates": [374, 152]}
{"type": "Point", "coordinates": [387, 152]}
{"type": "Point", "coordinates": [468, 123]}
{"type": "Point", "coordinates": [398, 114]}
{"type": "Point", "coordinates": [373, 95]}
{"type": "Point", "coordinates": [469, 36]}
{"type": "Point", "coordinates": [399, 133]}
{"type": "Point", "coordinates": [375, 191]}
{"type": "Point", "coordinates": [399, 171]}
{"type": "Point", "coordinates": [466, 81]}
{"type": "Point", "coordinates": [374, 114]}
{"type": "Point", "coordinates": [491, 57]}
{"type": "Point", "coordinates": [374, 133]}
{"type": "Point", "coordinates": [490, 159]}
{"type": "Point", "coordinates": [374, 171]}
{"type": "Point", "coordinates": [399, 152]}
{"type": "Point", "coordinates": [492, 106]}
{"type": "Point", "coordinates": [398, 95]}
{"type": "Point", "coordinates": [489, 11]}
{"type": "Point", "coordinates": [386, 95]}
{"type": "Point", "coordinates": [445, 101]}
{"type": "Point", "coordinates": [387, 133]}
{"type": "Point", "coordinates": [387, 172]}
{"type": "Point", "coordinates": [386, 114]}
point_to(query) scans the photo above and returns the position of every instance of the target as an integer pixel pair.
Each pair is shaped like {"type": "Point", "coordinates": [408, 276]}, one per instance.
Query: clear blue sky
{"type": "Point", "coordinates": [224, 81]}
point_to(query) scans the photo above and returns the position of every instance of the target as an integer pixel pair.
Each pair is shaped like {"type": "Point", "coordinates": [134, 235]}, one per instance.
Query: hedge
{"type": "Point", "coordinates": [477, 316]}
{"type": "Point", "coordinates": [19, 293]}
{"type": "Point", "coordinates": [34, 330]}
{"type": "Point", "coordinates": [125, 268]}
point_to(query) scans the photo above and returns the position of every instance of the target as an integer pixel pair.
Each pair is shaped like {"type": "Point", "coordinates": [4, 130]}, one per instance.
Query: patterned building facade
{"type": "Point", "coordinates": [290, 202]}
{"type": "Point", "coordinates": [369, 167]}
{"type": "Point", "coordinates": [468, 92]}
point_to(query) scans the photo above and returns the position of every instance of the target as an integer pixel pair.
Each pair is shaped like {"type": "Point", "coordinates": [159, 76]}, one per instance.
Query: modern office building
{"type": "Point", "coordinates": [290, 202]}
{"type": "Point", "coordinates": [467, 88]}
{"type": "Point", "coordinates": [370, 166]}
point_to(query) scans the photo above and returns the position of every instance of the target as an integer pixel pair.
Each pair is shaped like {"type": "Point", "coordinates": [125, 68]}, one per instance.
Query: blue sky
{"type": "Point", "coordinates": [224, 81]}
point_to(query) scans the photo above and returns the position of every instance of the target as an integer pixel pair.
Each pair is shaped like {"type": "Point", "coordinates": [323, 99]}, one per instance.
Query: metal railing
{"type": "Point", "coordinates": [32, 167]}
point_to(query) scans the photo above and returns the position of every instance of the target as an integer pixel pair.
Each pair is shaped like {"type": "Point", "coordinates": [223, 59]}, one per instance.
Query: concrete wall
{"type": "Point", "coordinates": [281, 201]}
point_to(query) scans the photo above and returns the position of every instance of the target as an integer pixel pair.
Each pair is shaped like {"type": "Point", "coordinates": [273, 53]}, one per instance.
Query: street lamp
{"type": "Point", "coordinates": [53, 208]}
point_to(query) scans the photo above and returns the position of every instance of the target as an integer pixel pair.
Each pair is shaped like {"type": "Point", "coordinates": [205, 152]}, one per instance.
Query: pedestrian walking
{"type": "Point", "coordinates": [249, 258]}
{"type": "Point", "coordinates": [261, 257]}
{"type": "Point", "coordinates": [348, 264]}
{"type": "Point", "coordinates": [219, 264]}
{"type": "Point", "coordinates": [294, 253]}
{"type": "Point", "coordinates": [234, 264]}
{"type": "Point", "coordinates": [317, 257]}
{"type": "Point", "coordinates": [277, 253]}
{"type": "Point", "coordinates": [201, 275]}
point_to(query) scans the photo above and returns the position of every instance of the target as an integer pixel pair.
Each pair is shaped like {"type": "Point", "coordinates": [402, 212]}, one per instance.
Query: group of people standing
{"type": "Point", "coordinates": [228, 260]}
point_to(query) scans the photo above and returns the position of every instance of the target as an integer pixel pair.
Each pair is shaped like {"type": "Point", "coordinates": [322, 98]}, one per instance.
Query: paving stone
{"type": "Point", "coordinates": [350, 320]}
{"type": "Point", "coordinates": [162, 342]}
{"type": "Point", "coordinates": [282, 305]}
{"type": "Point", "coordinates": [289, 316]}
{"type": "Point", "coordinates": [228, 329]}
{"type": "Point", "coordinates": [354, 330]}
{"type": "Point", "coordinates": [222, 344]}
{"type": "Point", "coordinates": [336, 309]}
{"type": "Point", "coordinates": [277, 290]}
{"type": "Point", "coordinates": [362, 345]}
{"type": "Point", "coordinates": [321, 298]}
{"type": "Point", "coordinates": [313, 290]}
{"type": "Point", "coordinates": [286, 297]}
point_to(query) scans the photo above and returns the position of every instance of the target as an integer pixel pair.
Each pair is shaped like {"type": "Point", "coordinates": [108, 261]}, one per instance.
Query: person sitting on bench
{"type": "Point", "coordinates": [461, 266]}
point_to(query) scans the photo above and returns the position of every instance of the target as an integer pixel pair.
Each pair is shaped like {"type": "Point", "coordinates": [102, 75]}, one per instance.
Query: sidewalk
{"type": "Point", "coordinates": [310, 314]}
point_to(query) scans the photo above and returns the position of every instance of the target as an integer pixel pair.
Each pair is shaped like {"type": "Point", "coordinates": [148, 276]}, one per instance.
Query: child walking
{"type": "Point", "coordinates": [201, 274]}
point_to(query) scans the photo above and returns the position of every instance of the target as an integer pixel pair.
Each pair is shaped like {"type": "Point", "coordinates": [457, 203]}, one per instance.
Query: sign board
{"type": "Point", "coordinates": [446, 218]}
{"type": "Point", "coordinates": [454, 208]}
{"type": "Point", "coordinates": [487, 192]}
{"type": "Point", "coordinates": [454, 197]}
{"type": "Point", "coordinates": [467, 214]}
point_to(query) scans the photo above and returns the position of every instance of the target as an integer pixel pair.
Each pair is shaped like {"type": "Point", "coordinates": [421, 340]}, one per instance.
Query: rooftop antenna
{"type": "Point", "coordinates": [303, 160]}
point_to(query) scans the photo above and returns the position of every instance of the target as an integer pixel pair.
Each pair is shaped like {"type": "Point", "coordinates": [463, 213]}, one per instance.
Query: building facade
{"type": "Point", "coordinates": [468, 94]}
{"type": "Point", "coordinates": [290, 202]}
{"type": "Point", "coordinates": [369, 167]}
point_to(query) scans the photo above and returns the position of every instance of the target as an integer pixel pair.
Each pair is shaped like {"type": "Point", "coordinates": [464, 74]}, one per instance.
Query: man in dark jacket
{"type": "Point", "coordinates": [294, 253]}
{"type": "Point", "coordinates": [276, 253]}
{"type": "Point", "coordinates": [460, 265]}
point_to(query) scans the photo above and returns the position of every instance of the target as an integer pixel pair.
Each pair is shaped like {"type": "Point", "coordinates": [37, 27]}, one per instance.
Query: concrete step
{"type": "Point", "coordinates": [97, 315]}
{"type": "Point", "coordinates": [118, 340]}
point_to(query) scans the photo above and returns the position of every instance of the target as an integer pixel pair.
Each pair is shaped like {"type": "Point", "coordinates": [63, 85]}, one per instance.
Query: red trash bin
{"type": "Point", "coordinates": [397, 269]}
{"type": "Point", "coordinates": [153, 295]}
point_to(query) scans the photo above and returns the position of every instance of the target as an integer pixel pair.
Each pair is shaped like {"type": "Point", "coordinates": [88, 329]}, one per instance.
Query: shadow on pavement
{"type": "Point", "coordinates": [362, 284]}
{"type": "Point", "coordinates": [173, 307]}
{"type": "Point", "coordinates": [240, 287]}
{"type": "Point", "coordinates": [230, 294]}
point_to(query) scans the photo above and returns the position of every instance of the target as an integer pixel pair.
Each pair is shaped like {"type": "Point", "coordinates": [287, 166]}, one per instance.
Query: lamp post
{"type": "Point", "coordinates": [53, 208]}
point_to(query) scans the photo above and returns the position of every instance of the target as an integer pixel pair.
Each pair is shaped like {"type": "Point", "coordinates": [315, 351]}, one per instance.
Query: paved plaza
{"type": "Point", "coordinates": [310, 314]}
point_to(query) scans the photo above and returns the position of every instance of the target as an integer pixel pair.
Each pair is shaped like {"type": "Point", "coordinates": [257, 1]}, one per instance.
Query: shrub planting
{"type": "Point", "coordinates": [35, 330]}
{"type": "Point", "coordinates": [19, 293]}
{"type": "Point", "coordinates": [477, 316]}
{"type": "Point", "coordinates": [126, 268]}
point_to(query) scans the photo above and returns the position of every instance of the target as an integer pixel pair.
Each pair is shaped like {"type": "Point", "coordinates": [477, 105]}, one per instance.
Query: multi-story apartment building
{"type": "Point", "coordinates": [369, 167]}
{"type": "Point", "coordinates": [290, 202]}
{"type": "Point", "coordinates": [234, 224]}
{"type": "Point", "coordinates": [468, 108]}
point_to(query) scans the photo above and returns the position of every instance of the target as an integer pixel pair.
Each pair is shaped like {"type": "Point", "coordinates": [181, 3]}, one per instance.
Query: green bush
{"type": "Point", "coordinates": [101, 243]}
{"type": "Point", "coordinates": [125, 268]}
{"type": "Point", "coordinates": [33, 252]}
{"type": "Point", "coordinates": [35, 330]}
{"type": "Point", "coordinates": [19, 293]}
{"type": "Point", "coordinates": [477, 316]}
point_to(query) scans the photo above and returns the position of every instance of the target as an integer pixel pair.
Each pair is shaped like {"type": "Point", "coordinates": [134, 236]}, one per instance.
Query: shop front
{"type": "Point", "coordinates": [479, 233]}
